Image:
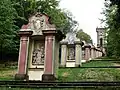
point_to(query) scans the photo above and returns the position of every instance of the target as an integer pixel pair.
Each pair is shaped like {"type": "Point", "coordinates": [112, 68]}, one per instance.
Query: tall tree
{"type": "Point", "coordinates": [25, 8]}
{"type": "Point", "coordinates": [84, 36]}
{"type": "Point", "coordinates": [71, 24]}
{"type": "Point", "coordinates": [113, 27]}
{"type": "Point", "coordinates": [15, 13]}
{"type": "Point", "coordinates": [7, 28]}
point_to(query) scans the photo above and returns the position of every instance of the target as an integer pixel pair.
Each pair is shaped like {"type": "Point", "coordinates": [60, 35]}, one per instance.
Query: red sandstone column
{"type": "Point", "coordinates": [87, 52]}
{"type": "Point", "coordinates": [51, 38]}
{"type": "Point", "coordinates": [22, 56]}
{"type": "Point", "coordinates": [92, 52]}
{"type": "Point", "coordinates": [22, 62]}
{"type": "Point", "coordinates": [49, 54]}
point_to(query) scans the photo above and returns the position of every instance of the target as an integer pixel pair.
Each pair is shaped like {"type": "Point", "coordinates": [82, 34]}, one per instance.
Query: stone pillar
{"type": "Point", "coordinates": [78, 54]}
{"type": "Point", "coordinates": [100, 54]}
{"type": "Point", "coordinates": [23, 53]}
{"type": "Point", "coordinates": [104, 52]}
{"type": "Point", "coordinates": [50, 40]}
{"type": "Point", "coordinates": [83, 53]}
{"type": "Point", "coordinates": [92, 52]}
{"type": "Point", "coordinates": [48, 72]}
{"type": "Point", "coordinates": [63, 53]}
{"type": "Point", "coordinates": [97, 52]}
{"type": "Point", "coordinates": [87, 52]}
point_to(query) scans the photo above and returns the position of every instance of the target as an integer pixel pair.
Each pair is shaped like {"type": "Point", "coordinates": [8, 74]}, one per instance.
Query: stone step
{"type": "Point", "coordinates": [39, 84]}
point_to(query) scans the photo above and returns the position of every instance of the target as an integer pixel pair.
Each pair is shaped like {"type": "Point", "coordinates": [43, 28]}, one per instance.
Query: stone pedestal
{"type": "Point", "coordinates": [78, 54]}
{"type": "Point", "coordinates": [98, 49]}
{"type": "Point", "coordinates": [104, 51]}
{"type": "Point", "coordinates": [100, 54]}
{"type": "Point", "coordinates": [92, 52]}
{"type": "Point", "coordinates": [97, 54]}
{"type": "Point", "coordinates": [71, 52]}
{"type": "Point", "coordinates": [63, 54]}
{"type": "Point", "coordinates": [87, 52]}
{"type": "Point", "coordinates": [22, 63]}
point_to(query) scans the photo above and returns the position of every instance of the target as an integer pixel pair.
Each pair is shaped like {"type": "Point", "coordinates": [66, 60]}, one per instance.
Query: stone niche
{"type": "Point", "coordinates": [39, 49]}
{"type": "Point", "coordinates": [71, 51]}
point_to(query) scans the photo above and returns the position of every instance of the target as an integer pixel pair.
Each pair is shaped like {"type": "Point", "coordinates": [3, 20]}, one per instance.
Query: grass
{"type": "Point", "coordinates": [107, 58]}
{"type": "Point", "coordinates": [7, 74]}
{"type": "Point", "coordinates": [72, 74]}
{"type": "Point", "coordinates": [75, 74]}
{"type": "Point", "coordinates": [95, 63]}
{"type": "Point", "coordinates": [8, 71]}
{"type": "Point", "coordinates": [88, 74]}
{"type": "Point", "coordinates": [91, 74]}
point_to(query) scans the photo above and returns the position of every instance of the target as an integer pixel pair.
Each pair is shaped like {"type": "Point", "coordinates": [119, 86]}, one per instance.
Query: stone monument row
{"type": "Point", "coordinates": [39, 49]}
{"type": "Point", "coordinates": [71, 51]}
{"type": "Point", "coordinates": [74, 52]}
{"type": "Point", "coordinates": [91, 52]}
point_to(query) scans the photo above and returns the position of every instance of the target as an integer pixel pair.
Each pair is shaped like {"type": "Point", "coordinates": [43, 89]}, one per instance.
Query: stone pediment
{"type": "Point", "coordinates": [37, 23]}
{"type": "Point", "coordinates": [70, 38]}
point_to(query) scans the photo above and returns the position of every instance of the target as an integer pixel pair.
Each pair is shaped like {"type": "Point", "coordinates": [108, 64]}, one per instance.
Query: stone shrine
{"type": "Point", "coordinates": [71, 51]}
{"type": "Point", "coordinates": [39, 49]}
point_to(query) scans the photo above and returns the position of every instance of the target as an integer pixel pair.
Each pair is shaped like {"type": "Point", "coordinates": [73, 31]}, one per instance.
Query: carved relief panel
{"type": "Point", "coordinates": [71, 39]}
{"type": "Point", "coordinates": [38, 23]}
{"type": "Point", "coordinates": [71, 53]}
{"type": "Point", "coordinates": [38, 54]}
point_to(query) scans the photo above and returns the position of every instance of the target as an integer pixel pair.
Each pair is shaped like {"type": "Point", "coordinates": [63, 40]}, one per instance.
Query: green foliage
{"type": "Point", "coordinates": [26, 8]}
{"type": "Point", "coordinates": [84, 36]}
{"type": "Point", "coordinates": [88, 74]}
{"type": "Point", "coordinates": [98, 63]}
{"type": "Point", "coordinates": [112, 14]}
{"type": "Point", "coordinates": [91, 74]}
{"type": "Point", "coordinates": [71, 24]}
{"type": "Point", "coordinates": [7, 28]}
{"type": "Point", "coordinates": [15, 13]}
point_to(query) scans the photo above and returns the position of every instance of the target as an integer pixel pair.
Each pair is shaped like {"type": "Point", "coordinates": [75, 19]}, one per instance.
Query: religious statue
{"type": "Point", "coordinates": [71, 54]}
{"type": "Point", "coordinates": [38, 56]}
{"type": "Point", "coordinates": [71, 40]}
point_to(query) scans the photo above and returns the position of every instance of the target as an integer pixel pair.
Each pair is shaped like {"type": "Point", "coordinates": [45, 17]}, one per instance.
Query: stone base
{"type": "Point", "coordinates": [48, 77]}
{"type": "Point", "coordinates": [62, 66]}
{"type": "Point", "coordinates": [77, 65]}
{"type": "Point", "coordinates": [21, 77]}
